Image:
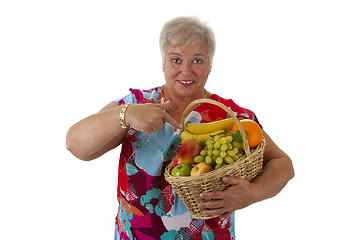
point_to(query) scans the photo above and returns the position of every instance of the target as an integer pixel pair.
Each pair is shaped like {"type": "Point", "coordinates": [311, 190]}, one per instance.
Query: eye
{"type": "Point", "coordinates": [198, 61]}
{"type": "Point", "coordinates": [176, 60]}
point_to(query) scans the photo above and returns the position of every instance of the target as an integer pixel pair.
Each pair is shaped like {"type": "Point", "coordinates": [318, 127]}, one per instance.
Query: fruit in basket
{"type": "Point", "coordinates": [253, 131]}
{"type": "Point", "coordinates": [188, 150]}
{"type": "Point", "coordinates": [203, 128]}
{"type": "Point", "coordinates": [185, 135]}
{"type": "Point", "coordinates": [176, 160]}
{"type": "Point", "coordinates": [181, 170]}
{"type": "Point", "coordinates": [201, 168]}
{"type": "Point", "coordinates": [220, 150]}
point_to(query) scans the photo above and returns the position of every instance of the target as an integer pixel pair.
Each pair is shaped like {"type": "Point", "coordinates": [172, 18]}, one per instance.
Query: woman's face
{"type": "Point", "coordinates": [186, 69]}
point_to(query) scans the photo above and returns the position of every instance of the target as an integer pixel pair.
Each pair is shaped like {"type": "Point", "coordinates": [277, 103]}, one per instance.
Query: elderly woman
{"type": "Point", "coordinates": [145, 122]}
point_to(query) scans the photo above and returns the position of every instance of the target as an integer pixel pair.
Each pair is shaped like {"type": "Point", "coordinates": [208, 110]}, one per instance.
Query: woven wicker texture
{"type": "Point", "coordinates": [189, 188]}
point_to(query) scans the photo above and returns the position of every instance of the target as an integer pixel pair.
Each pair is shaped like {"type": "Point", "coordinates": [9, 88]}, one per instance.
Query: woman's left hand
{"type": "Point", "coordinates": [238, 196]}
{"type": "Point", "coordinates": [277, 171]}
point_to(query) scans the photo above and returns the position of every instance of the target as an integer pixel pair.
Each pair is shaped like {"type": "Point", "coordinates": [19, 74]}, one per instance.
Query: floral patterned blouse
{"type": "Point", "coordinates": [148, 207]}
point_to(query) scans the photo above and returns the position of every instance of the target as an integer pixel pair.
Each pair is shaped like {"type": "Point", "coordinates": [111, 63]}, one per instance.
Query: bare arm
{"type": "Point", "coordinates": [95, 135]}
{"type": "Point", "coordinates": [277, 171]}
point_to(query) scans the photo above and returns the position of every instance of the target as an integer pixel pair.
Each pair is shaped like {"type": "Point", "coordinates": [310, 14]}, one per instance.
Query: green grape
{"type": "Point", "coordinates": [217, 166]}
{"type": "Point", "coordinates": [214, 158]}
{"type": "Point", "coordinates": [216, 152]}
{"type": "Point", "coordinates": [208, 159]}
{"type": "Point", "coordinates": [209, 152]}
{"type": "Point", "coordinates": [217, 145]}
{"type": "Point", "coordinates": [223, 140]}
{"type": "Point", "coordinates": [236, 144]}
{"type": "Point", "coordinates": [209, 141]}
{"type": "Point", "coordinates": [229, 139]}
{"type": "Point", "coordinates": [222, 154]}
{"type": "Point", "coordinates": [231, 153]}
{"type": "Point", "coordinates": [198, 159]}
{"type": "Point", "coordinates": [228, 160]}
{"type": "Point", "coordinates": [217, 138]}
{"type": "Point", "coordinates": [203, 153]}
{"type": "Point", "coordinates": [242, 146]}
{"type": "Point", "coordinates": [223, 147]}
{"type": "Point", "coordinates": [219, 160]}
{"type": "Point", "coordinates": [236, 157]}
{"type": "Point", "coordinates": [210, 145]}
{"type": "Point", "coordinates": [236, 150]}
{"type": "Point", "coordinates": [210, 138]}
{"type": "Point", "coordinates": [229, 146]}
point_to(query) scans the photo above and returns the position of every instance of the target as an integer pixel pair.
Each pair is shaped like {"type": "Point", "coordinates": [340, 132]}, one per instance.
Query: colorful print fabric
{"type": "Point", "coordinates": [148, 207]}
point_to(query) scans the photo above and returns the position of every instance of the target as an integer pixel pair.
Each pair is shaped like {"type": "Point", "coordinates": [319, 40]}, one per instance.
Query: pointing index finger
{"type": "Point", "coordinates": [169, 119]}
{"type": "Point", "coordinates": [166, 117]}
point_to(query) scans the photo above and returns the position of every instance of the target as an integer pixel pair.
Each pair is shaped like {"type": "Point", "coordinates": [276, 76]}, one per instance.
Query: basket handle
{"type": "Point", "coordinates": [200, 101]}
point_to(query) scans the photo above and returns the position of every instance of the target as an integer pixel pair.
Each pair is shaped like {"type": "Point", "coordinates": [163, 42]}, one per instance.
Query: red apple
{"type": "Point", "coordinates": [189, 149]}
{"type": "Point", "coordinates": [176, 160]}
{"type": "Point", "coordinates": [201, 168]}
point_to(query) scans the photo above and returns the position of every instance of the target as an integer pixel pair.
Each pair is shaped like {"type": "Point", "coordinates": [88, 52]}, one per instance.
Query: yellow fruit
{"type": "Point", "coordinates": [185, 135]}
{"type": "Point", "coordinates": [203, 128]}
{"type": "Point", "coordinates": [204, 137]}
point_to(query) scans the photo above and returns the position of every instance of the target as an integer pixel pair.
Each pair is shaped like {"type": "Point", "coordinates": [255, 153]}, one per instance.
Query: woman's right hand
{"type": "Point", "coordinates": [149, 117]}
{"type": "Point", "coordinates": [98, 133]}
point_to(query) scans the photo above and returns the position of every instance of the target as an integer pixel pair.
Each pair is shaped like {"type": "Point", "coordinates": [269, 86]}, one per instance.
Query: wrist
{"type": "Point", "coordinates": [256, 193]}
{"type": "Point", "coordinates": [122, 116]}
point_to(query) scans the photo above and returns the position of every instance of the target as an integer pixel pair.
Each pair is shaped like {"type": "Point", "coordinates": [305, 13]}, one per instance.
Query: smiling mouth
{"type": "Point", "coordinates": [186, 82]}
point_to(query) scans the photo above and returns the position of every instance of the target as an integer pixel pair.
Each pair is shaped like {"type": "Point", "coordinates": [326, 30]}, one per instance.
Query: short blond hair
{"type": "Point", "coordinates": [185, 31]}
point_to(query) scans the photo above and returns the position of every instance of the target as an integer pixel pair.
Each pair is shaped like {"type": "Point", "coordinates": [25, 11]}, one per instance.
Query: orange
{"type": "Point", "coordinates": [254, 132]}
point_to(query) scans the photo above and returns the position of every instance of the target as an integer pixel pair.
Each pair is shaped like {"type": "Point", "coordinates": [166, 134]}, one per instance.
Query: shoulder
{"type": "Point", "coordinates": [240, 112]}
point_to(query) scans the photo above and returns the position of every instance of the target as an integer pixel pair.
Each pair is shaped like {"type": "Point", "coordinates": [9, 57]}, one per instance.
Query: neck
{"type": "Point", "coordinates": [179, 104]}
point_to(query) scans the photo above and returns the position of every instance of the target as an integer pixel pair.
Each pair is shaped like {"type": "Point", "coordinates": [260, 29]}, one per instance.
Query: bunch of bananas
{"type": "Point", "coordinates": [203, 131]}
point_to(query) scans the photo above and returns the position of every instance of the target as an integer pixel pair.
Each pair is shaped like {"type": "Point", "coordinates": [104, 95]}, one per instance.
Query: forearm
{"type": "Point", "coordinates": [277, 171]}
{"type": "Point", "coordinates": [96, 134]}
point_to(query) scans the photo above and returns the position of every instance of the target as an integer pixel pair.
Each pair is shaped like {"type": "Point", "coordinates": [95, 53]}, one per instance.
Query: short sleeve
{"type": "Point", "coordinates": [130, 98]}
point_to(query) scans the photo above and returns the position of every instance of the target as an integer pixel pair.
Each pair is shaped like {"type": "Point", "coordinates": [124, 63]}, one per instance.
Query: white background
{"type": "Point", "coordinates": [294, 63]}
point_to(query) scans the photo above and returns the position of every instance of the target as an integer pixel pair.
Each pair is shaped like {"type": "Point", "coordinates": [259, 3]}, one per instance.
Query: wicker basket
{"type": "Point", "coordinates": [189, 188]}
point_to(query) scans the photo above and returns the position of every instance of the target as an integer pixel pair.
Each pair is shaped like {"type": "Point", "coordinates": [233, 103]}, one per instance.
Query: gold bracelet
{"type": "Point", "coordinates": [122, 115]}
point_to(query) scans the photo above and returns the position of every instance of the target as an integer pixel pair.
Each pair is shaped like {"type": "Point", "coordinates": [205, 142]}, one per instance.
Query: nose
{"type": "Point", "coordinates": [186, 67]}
